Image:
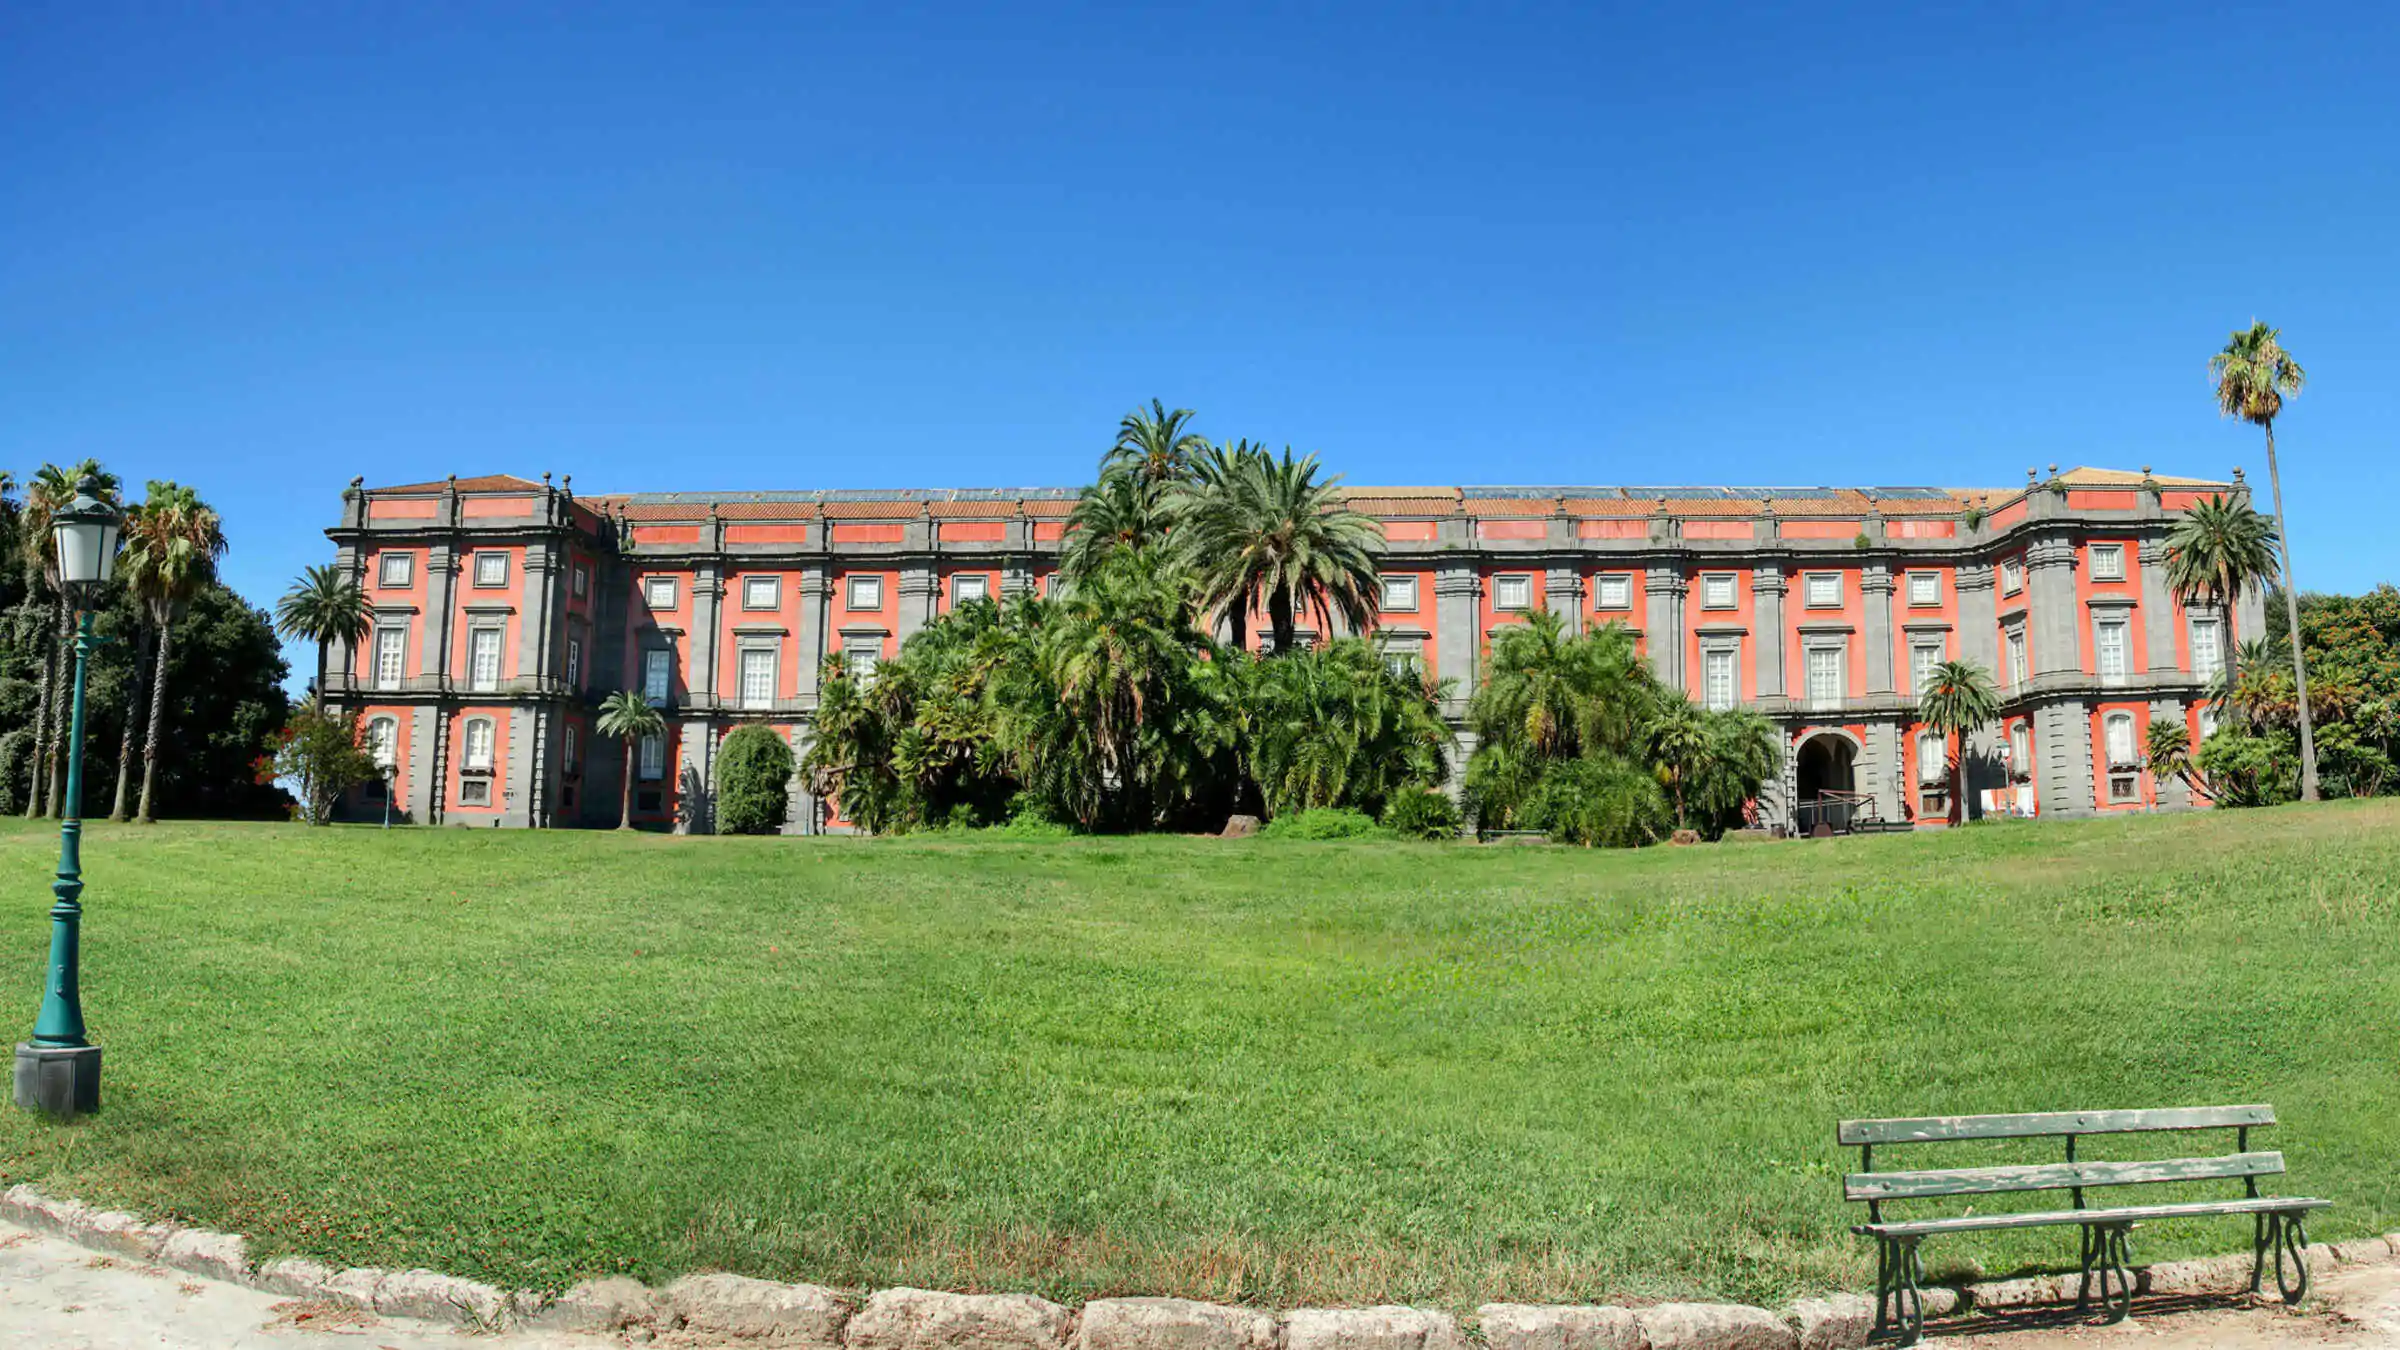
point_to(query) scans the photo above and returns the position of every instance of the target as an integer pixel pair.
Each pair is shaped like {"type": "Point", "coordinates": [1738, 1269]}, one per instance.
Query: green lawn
{"type": "Point", "coordinates": [1265, 1071]}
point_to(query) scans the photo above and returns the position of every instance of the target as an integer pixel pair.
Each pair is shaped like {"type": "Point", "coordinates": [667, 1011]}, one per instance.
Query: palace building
{"type": "Point", "coordinates": [505, 609]}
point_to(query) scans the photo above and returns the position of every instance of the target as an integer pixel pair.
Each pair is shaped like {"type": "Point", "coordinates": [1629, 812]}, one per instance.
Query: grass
{"type": "Point", "coordinates": [1271, 1071]}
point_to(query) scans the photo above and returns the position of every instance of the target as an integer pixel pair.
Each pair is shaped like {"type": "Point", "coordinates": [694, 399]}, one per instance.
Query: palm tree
{"type": "Point", "coordinates": [1155, 445]}
{"type": "Point", "coordinates": [324, 607]}
{"type": "Point", "coordinates": [1271, 530]}
{"type": "Point", "coordinates": [629, 717]}
{"type": "Point", "coordinates": [1118, 513]}
{"type": "Point", "coordinates": [2168, 746]}
{"type": "Point", "coordinates": [2253, 374]}
{"type": "Point", "coordinates": [2217, 550]}
{"type": "Point", "coordinates": [49, 491]}
{"type": "Point", "coordinates": [132, 569]}
{"type": "Point", "coordinates": [174, 556]}
{"type": "Point", "coordinates": [1958, 700]}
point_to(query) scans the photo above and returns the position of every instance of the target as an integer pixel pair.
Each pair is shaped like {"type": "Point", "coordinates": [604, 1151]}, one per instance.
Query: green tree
{"type": "Point", "coordinates": [1338, 726]}
{"type": "Point", "coordinates": [318, 752]}
{"type": "Point", "coordinates": [628, 717]}
{"type": "Point", "coordinates": [1958, 700]}
{"type": "Point", "coordinates": [1119, 514]}
{"type": "Point", "coordinates": [1271, 530]}
{"type": "Point", "coordinates": [2253, 375]}
{"type": "Point", "coordinates": [754, 781]}
{"type": "Point", "coordinates": [172, 544]}
{"type": "Point", "coordinates": [2168, 747]}
{"type": "Point", "coordinates": [324, 607]}
{"type": "Point", "coordinates": [1156, 446]}
{"type": "Point", "coordinates": [48, 492]}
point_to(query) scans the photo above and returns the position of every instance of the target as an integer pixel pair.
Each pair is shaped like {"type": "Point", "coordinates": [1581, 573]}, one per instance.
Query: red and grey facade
{"type": "Point", "coordinates": [505, 609]}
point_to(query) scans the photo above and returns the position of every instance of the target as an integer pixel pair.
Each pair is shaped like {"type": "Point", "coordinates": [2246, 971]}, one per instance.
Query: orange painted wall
{"type": "Point", "coordinates": [2137, 647]}
{"type": "Point", "coordinates": [886, 615]}
{"type": "Point", "coordinates": [1744, 612]}
{"type": "Point", "coordinates": [2095, 727]}
{"type": "Point", "coordinates": [502, 786]}
{"type": "Point", "coordinates": [1490, 616]}
{"type": "Point", "coordinates": [1797, 614]}
{"type": "Point", "coordinates": [465, 593]}
{"type": "Point", "coordinates": [1943, 610]}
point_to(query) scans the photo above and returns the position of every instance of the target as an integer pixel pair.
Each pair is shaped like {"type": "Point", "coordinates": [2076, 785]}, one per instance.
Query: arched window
{"type": "Point", "coordinates": [2118, 729]}
{"type": "Point", "coordinates": [2020, 749]}
{"type": "Point", "coordinates": [383, 742]}
{"type": "Point", "coordinates": [1933, 757]}
{"type": "Point", "coordinates": [479, 743]}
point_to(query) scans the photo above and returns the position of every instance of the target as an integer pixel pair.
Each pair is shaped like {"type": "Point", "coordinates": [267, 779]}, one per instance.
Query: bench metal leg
{"type": "Point", "coordinates": [2107, 1262]}
{"type": "Point", "coordinates": [2283, 1233]}
{"type": "Point", "coordinates": [1899, 1291]}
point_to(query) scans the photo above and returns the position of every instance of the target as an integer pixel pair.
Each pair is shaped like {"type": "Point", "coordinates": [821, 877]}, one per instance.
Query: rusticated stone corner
{"type": "Point", "coordinates": [782, 1314]}
{"type": "Point", "coordinates": [1536, 1326]}
{"type": "Point", "coordinates": [923, 1319]}
{"type": "Point", "coordinates": [1173, 1324]}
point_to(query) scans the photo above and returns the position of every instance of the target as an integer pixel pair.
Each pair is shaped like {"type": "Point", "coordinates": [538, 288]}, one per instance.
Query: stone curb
{"type": "Point", "coordinates": [763, 1313]}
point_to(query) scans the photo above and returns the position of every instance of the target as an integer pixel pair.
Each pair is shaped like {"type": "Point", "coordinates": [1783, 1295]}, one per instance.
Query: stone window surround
{"type": "Point", "coordinates": [870, 584]}
{"type": "Point", "coordinates": [407, 569]}
{"type": "Point", "coordinates": [2012, 574]}
{"type": "Point", "coordinates": [496, 626]}
{"type": "Point", "coordinates": [1721, 643]}
{"type": "Point", "coordinates": [958, 587]}
{"type": "Point", "coordinates": [2016, 652]}
{"type": "Point", "coordinates": [1600, 586]}
{"type": "Point", "coordinates": [2195, 618]}
{"type": "Point", "coordinates": [1503, 581]}
{"type": "Point", "coordinates": [1403, 586]}
{"type": "Point", "coordinates": [1809, 581]}
{"type": "Point", "coordinates": [2133, 744]}
{"type": "Point", "coordinates": [2112, 550]}
{"type": "Point", "coordinates": [650, 758]}
{"type": "Point", "coordinates": [568, 748]}
{"type": "Point", "coordinates": [1811, 643]}
{"type": "Point", "coordinates": [384, 749]}
{"type": "Point", "coordinates": [389, 630]}
{"type": "Point", "coordinates": [747, 645]}
{"type": "Point", "coordinates": [466, 747]}
{"type": "Point", "coordinates": [583, 581]}
{"type": "Point", "coordinates": [654, 587]}
{"type": "Point", "coordinates": [770, 584]}
{"type": "Point", "coordinates": [1930, 576]}
{"type": "Point", "coordinates": [649, 652]}
{"type": "Point", "coordinates": [491, 568]}
{"type": "Point", "coordinates": [2118, 610]}
{"type": "Point", "coordinates": [1709, 581]}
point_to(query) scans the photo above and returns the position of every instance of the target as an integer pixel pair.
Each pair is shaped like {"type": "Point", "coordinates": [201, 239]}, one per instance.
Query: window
{"type": "Point", "coordinates": [658, 666]}
{"type": "Point", "coordinates": [491, 569]}
{"type": "Point", "coordinates": [1716, 591]}
{"type": "Point", "coordinates": [398, 569]}
{"type": "Point", "coordinates": [1400, 594]}
{"type": "Point", "coordinates": [1718, 687]}
{"type": "Point", "coordinates": [2020, 749]}
{"type": "Point", "coordinates": [574, 662]}
{"type": "Point", "coordinates": [758, 677]}
{"type": "Point", "coordinates": [1933, 757]}
{"type": "Point", "coordinates": [567, 745]}
{"type": "Point", "coordinates": [383, 742]}
{"type": "Point", "coordinates": [1924, 589]}
{"type": "Point", "coordinates": [483, 660]}
{"type": "Point", "coordinates": [2108, 562]}
{"type": "Point", "coordinates": [860, 655]}
{"type": "Point", "coordinates": [2109, 644]}
{"type": "Point", "coordinates": [1401, 661]}
{"type": "Point", "coordinates": [390, 644]}
{"type": "Point", "coordinates": [2016, 658]}
{"type": "Point", "coordinates": [1615, 593]}
{"type": "Point", "coordinates": [475, 792]}
{"type": "Point", "coordinates": [653, 757]}
{"type": "Point", "coordinates": [583, 581]}
{"type": "Point", "coordinates": [1825, 677]}
{"type": "Point", "coordinates": [2117, 730]}
{"type": "Point", "coordinates": [1512, 592]}
{"type": "Point", "coordinates": [1923, 658]}
{"type": "Point", "coordinates": [970, 587]}
{"type": "Point", "coordinates": [2124, 787]}
{"type": "Point", "coordinates": [865, 593]}
{"type": "Point", "coordinates": [479, 744]}
{"type": "Point", "coordinates": [1824, 590]}
{"type": "Point", "coordinates": [2208, 721]}
{"type": "Point", "coordinates": [2012, 576]}
{"type": "Point", "coordinates": [762, 592]}
{"type": "Point", "coordinates": [2208, 658]}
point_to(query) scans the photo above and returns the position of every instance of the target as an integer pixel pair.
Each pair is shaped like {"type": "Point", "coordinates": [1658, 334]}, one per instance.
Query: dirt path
{"type": "Point", "coordinates": [58, 1296]}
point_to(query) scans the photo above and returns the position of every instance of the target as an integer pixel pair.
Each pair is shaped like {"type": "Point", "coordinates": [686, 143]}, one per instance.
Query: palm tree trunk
{"type": "Point", "coordinates": [1239, 612]}
{"type": "Point", "coordinates": [34, 779]}
{"type": "Point", "coordinates": [2291, 615]}
{"type": "Point", "coordinates": [133, 722]}
{"type": "Point", "coordinates": [158, 717]}
{"type": "Point", "coordinates": [55, 744]}
{"type": "Point", "coordinates": [1279, 613]}
{"type": "Point", "coordinates": [625, 812]}
{"type": "Point", "coordinates": [1958, 783]}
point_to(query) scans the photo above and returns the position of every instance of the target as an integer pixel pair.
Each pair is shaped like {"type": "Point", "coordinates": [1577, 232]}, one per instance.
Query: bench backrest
{"type": "Point", "coordinates": [1875, 1187]}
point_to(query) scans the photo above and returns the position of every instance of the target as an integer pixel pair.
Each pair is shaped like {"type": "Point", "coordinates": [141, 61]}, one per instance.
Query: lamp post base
{"type": "Point", "coordinates": [62, 1081]}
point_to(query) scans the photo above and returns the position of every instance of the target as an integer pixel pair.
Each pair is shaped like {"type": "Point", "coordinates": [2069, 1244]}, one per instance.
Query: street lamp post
{"type": "Point", "coordinates": [58, 1071]}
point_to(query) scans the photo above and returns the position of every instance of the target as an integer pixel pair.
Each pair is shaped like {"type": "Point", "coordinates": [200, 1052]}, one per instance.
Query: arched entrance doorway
{"type": "Point", "coordinates": [1826, 768]}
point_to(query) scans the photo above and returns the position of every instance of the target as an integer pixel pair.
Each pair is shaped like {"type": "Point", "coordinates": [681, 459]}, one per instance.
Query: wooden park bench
{"type": "Point", "coordinates": [2276, 1221]}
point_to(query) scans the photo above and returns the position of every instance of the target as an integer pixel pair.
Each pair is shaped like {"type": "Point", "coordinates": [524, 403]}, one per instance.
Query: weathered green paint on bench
{"type": "Point", "coordinates": [2043, 1124]}
{"type": "Point", "coordinates": [2053, 1176]}
{"type": "Point", "coordinates": [1970, 1223]}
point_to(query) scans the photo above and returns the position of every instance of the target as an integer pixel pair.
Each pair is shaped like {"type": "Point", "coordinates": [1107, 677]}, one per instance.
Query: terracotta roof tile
{"type": "Point", "coordinates": [1404, 506]}
{"type": "Point", "coordinates": [1445, 493]}
{"type": "Point", "coordinates": [1712, 506]}
{"type": "Point", "coordinates": [992, 510]}
{"type": "Point", "coordinates": [874, 510]}
{"type": "Point", "coordinates": [2086, 476]}
{"type": "Point", "coordinates": [1913, 506]}
{"type": "Point", "coordinates": [1843, 503]}
{"type": "Point", "coordinates": [1610, 506]}
{"type": "Point", "coordinates": [1511, 506]}
{"type": "Point", "coordinates": [1049, 509]}
{"type": "Point", "coordinates": [490, 482]}
{"type": "Point", "coordinates": [766, 510]}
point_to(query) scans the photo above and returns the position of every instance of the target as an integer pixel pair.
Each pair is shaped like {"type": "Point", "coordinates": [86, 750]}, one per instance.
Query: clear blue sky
{"type": "Point", "coordinates": [262, 248]}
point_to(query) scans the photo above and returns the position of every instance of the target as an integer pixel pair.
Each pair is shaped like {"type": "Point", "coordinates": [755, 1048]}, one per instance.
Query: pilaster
{"type": "Point", "coordinates": [1978, 617]}
{"type": "Point", "coordinates": [2173, 792]}
{"type": "Point", "coordinates": [695, 760]}
{"type": "Point", "coordinates": [708, 596]}
{"type": "Point", "coordinates": [920, 596]}
{"type": "Point", "coordinates": [1767, 589]}
{"type": "Point", "coordinates": [1457, 602]}
{"type": "Point", "coordinates": [1875, 594]}
{"type": "Point", "coordinates": [433, 632]}
{"type": "Point", "coordinates": [1880, 766]}
{"type": "Point", "coordinates": [2158, 607]}
{"type": "Point", "coordinates": [810, 640]}
{"type": "Point", "coordinates": [2062, 755]}
{"type": "Point", "coordinates": [2053, 611]}
{"type": "Point", "coordinates": [1663, 592]}
{"type": "Point", "coordinates": [1562, 595]}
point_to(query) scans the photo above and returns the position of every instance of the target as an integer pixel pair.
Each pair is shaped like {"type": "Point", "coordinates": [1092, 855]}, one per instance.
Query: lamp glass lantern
{"type": "Point", "coordinates": [86, 533]}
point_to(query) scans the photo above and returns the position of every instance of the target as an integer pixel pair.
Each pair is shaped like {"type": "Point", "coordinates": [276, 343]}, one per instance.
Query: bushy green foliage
{"type": "Point", "coordinates": [318, 752]}
{"type": "Point", "coordinates": [1422, 813]}
{"type": "Point", "coordinates": [2353, 650]}
{"type": "Point", "coordinates": [1328, 822]}
{"type": "Point", "coordinates": [1599, 801]}
{"type": "Point", "coordinates": [2249, 768]}
{"type": "Point", "coordinates": [754, 781]}
{"type": "Point", "coordinates": [1335, 725]}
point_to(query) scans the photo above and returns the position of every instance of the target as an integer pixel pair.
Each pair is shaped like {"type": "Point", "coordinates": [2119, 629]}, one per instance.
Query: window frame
{"type": "Point", "coordinates": [868, 648]}
{"type": "Point", "coordinates": [477, 637]}
{"type": "Point", "coordinates": [2115, 551]}
{"type": "Point", "coordinates": [958, 582]}
{"type": "Point", "coordinates": [1932, 581]}
{"type": "Point", "coordinates": [2012, 575]}
{"type": "Point", "coordinates": [408, 569]}
{"type": "Point", "coordinates": [651, 747]}
{"type": "Point", "coordinates": [1840, 654]}
{"type": "Point", "coordinates": [2121, 628]}
{"type": "Point", "coordinates": [2216, 646]}
{"type": "Point", "coordinates": [1809, 582]}
{"type": "Point", "coordinates": [651, 586]}
{"type": "Point", "coordinates": [2133, 743]}
{"type": "Point", "coordinates": [741, 675]}
{"type": "Point", "coordinates": [2020, 758]}
{"type": "Point", "coordinates": [466, 746]}
{"type": "Point", "coordinates": [475, 790]}
{"type": "Point", "coordinates": [1600, 585]}
{"type": "Point", "coordinates": [873, 581]}
{"type": "Point", "coordinates": [663, 660]}
{"type": "Point", "coordinates": [497, 560]}
{"type": "Point", "coordinates": [1398, 585]}
{"type": "Point", "coordinates": [1733, 590]}
{"type": "Point", "coordinates": [774, 592]}
{"type": "Point", "coordinates": [1730, 654]}
{"type": "Point", "coordinates": [1918, 669]}
{"type": "Point", "coordinates": [384, 751]}
{"type": "Point", "coordinates": [2016, 655]}
{"type": "Point", "coordinates": [1930, 739]}
{"type": "Point", "coordinates": [399, 678]}
{"type": "Point", "coordinates": [574, 662]}
{"type": "Point", "coordinates": [1501, 581]}
{"type": "Point", "coordinates": [583, 581]}
{"type": "Point", "coordinates": [568, 748]}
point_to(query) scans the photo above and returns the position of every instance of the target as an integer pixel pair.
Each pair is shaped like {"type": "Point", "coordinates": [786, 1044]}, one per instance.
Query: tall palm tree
{"type": "Point", "coordinates": [132, 570]}
{"type": "Point", "coordinates": [175, 555]}
{"type": "Point", "coordinates": [2253, 375]}
{"type": "Point", "coordinates": [629, 717]}
{"type": "Point", "coordinates": [1272, 531]}
{"type": "Point", "coordinates": [2216, 551]}
{"type": "Point", "coordinates": [1958, 700]}
{"type": "Point", "coordinates": [1156, 445]}
{"type": "Point", "coordinates": [48, 492]}
{"type": "Point", "coordinates": [324, 607]}
{"type": "Point", "coordinates": [1682, 742]}
{"type": "Point", "coordinates": [1118, 513]}
{"type": "Point", "coordinates": [1216, 472]}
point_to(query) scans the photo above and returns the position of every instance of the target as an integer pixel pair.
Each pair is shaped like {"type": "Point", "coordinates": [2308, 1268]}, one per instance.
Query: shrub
{"type": "Point", "coordinates": [754, 781]}
{"type": "Point", "coordinates": [1422, 813]}
{"type": "Point", "coordinates": [16, 754]}
{"type": "Point", "coordinates": [1031, 825]}
{"type": "Point", "coordinates": [1332, 822]}
{"type": "Point", "coordinates": [1600, 802]}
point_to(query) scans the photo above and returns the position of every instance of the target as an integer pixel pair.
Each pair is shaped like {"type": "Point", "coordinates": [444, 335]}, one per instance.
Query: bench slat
{"type": "Point", "coordinates": [1926, 1129]}
{"type": "Point", "coordinates": [2053, 1176]}
{"type": "Point", "coordinates": [2128, 1214]}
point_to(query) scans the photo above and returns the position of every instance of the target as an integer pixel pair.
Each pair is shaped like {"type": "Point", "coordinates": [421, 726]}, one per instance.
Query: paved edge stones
{"type": "Point", "coordinates": [765, 1313]}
